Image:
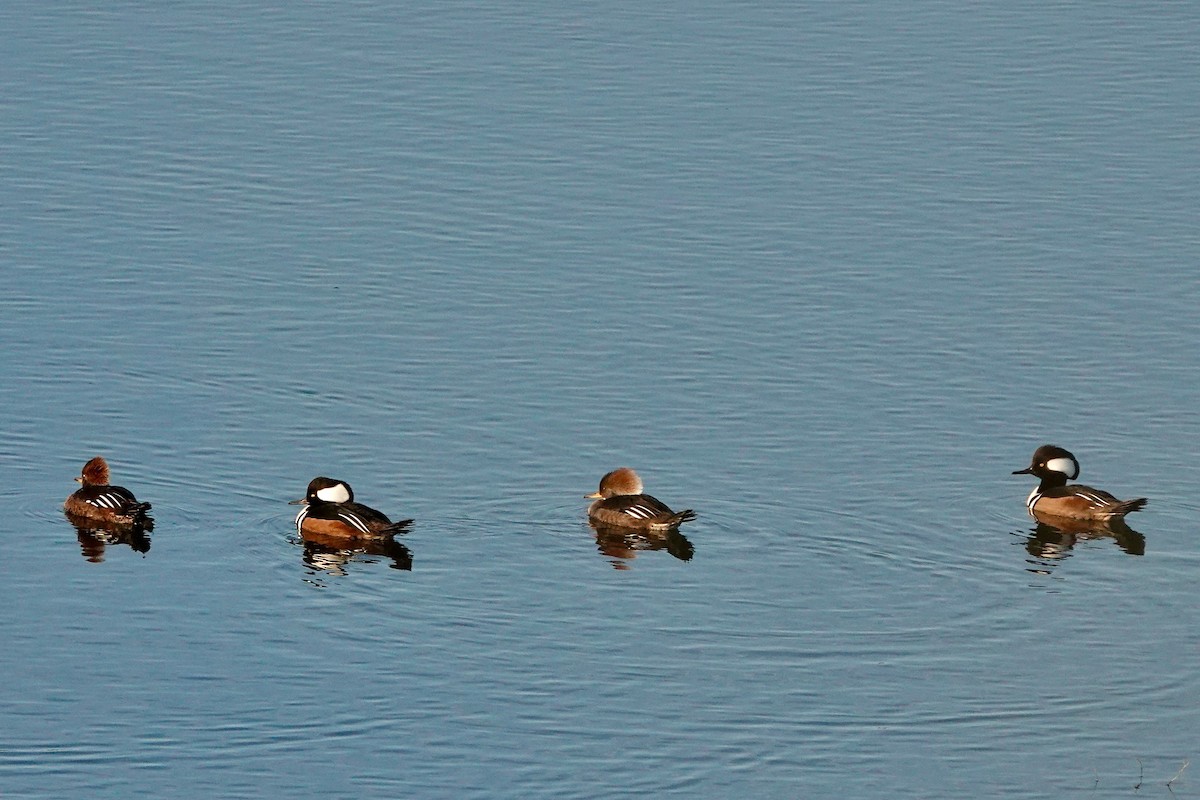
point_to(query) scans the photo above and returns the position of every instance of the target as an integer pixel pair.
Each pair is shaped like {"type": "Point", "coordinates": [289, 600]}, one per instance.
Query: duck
{"type": "Point", "coordinates": [1053, 497]}
{"type": "Point", "coordinates": [96, 500]}
{"type": "Point", "coordinates": [620, 502]}
{"type": "Point", "coordinates": [330, 511]}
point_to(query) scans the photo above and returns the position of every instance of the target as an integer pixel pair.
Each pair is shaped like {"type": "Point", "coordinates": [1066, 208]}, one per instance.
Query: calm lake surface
{"type": "Point", "coordinates": [826, 273]}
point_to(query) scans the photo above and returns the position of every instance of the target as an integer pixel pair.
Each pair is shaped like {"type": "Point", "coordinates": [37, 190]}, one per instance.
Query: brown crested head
{"type": "Point", "coordinates": [95, 473]}
{"type": "Point", "coordinates": [621, 481]}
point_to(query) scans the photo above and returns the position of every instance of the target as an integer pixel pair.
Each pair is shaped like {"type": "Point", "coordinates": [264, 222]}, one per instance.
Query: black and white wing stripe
{"type": "Point", "coordinates": [640, 511]}
{"type": "Point", "coordinates": [642, 507]}
{"type": "Point", "coordinates": [113, 498]}
{"type": "Point", "coordinates": [353, 520]}
{"type": "Point", "coordinates": [1095, 497]}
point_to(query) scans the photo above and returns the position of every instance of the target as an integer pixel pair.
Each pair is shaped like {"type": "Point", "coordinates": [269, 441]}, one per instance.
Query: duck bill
{"type": "Point", "coordinates": [1026, 471]}
{"type": "Point", "coordinates": [593, 496]}
{"type": "Point", "coordinates": [303, 501]}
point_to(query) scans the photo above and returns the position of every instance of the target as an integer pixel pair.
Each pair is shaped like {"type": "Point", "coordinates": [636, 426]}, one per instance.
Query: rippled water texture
{"type": "Point", "coordinates": [825, 273]}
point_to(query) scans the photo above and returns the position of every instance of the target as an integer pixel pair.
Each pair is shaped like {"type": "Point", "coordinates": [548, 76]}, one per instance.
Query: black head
{"type": "Point", "coordinates": [326, 490]}
{"type": "Point", "coordinates": [1052, 461]}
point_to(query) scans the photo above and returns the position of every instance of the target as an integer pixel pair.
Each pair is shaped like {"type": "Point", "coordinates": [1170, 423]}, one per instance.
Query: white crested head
{"type": "Point", "coordinates": [1050, 461]}
{"type": "Point", "coordinates": [1067, 465]}
{"type": "Point", "coordinates": [337, 493]}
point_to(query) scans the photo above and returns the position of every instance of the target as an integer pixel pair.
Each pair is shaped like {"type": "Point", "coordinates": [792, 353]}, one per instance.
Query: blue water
{"type": "Point", "coordinates": [826, 273]}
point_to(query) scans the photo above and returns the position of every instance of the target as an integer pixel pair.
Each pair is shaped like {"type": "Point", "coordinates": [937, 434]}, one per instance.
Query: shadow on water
{"type": "Point", "coordinates": [333, 555]}
{"type": "Point", "coordinates": [1053, 539]}
{"type": "Point", "coordinates": [95, 536]}
{"type": "Point", "coordinates": [622, 545]}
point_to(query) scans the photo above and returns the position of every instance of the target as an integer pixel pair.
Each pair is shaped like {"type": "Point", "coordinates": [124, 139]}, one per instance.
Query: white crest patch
{"type": "Point", "coordinates": [1067, 466]}
{"type": "Point", "coordinates": [334, 494]}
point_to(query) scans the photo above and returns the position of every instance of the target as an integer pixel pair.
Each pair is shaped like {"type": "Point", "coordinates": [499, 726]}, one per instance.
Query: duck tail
{"type": "Point", "coordinates": [1127, 506]}
{"type": "Point", "coordinates": [396, 527]}
{"type": "Point", "coordinates": [680, 517]}
{"type": "Point", "coordinates": [139, 514]}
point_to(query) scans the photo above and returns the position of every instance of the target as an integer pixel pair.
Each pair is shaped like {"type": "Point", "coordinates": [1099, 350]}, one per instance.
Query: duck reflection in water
{"type": "Point", "coordinates": [623, 544]}
{"type": "Point", "coordinates": [333, 555]}
{"type": "Point", "coordinates": [95, 537]}
{"type": "Point", "coordinates": [1054, 537]}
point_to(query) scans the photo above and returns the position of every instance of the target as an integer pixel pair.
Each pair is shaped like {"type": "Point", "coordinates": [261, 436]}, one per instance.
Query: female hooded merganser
{"type": "Point", "coordinates": [620, 502]}
{"type": "Point", "coordinates": [99, 501]}
{"type": "Point", "coordinates": [330, 510]}
{"type": "Point", "coordinates": [1055, 466]}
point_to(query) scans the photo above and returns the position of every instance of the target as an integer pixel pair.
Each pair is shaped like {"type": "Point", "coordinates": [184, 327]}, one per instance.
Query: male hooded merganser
{"type": "Point", "coordinates": [330, 510]}
{"type": "Point", "coordinates": [99, 501]}
{"type": "Point", "coordinates": [1055, 466]}
{"type": "Point", "coordinates": [620, 502]}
